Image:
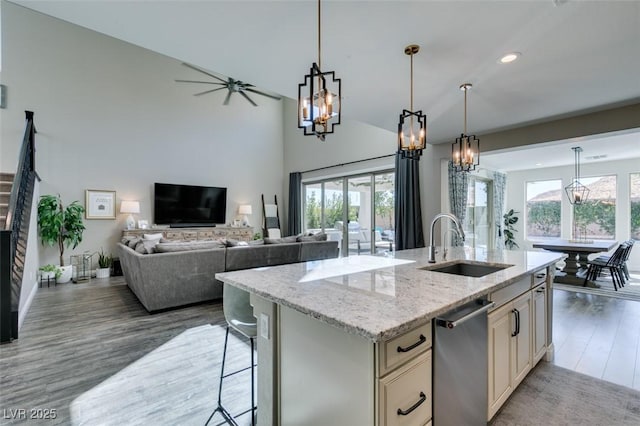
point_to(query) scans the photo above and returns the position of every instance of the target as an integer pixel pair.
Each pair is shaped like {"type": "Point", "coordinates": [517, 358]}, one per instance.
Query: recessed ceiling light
{"type": "Point", "coordinates": [509, 57]}
{"type": "Point", "coordinates": [538, 164]}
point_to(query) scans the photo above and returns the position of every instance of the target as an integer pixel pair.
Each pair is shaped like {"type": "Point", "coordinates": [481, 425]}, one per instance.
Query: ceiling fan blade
{"type": "Point", "coordinates": [277, 98]}
{"type": "Point", "coordinates": [226, 100]}
{"type": "Point", "coordinates": [209, 91]}
{"type": "Point", "coordinates": [203, 71]}
{"type": "Point", "coordinates": [248, 98]}
{"type": "Point", "coordinates": [195, 81]}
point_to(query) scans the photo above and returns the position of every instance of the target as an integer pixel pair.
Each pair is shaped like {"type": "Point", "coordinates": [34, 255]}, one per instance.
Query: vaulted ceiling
{"type": "Point", "coordinates": [576, 56]}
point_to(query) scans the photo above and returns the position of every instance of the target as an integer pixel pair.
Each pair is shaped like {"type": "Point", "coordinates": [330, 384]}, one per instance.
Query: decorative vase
{"type": "Point", "coordinates": [103, 272]}
{"type": "Point", "coordinates": [66, 274]}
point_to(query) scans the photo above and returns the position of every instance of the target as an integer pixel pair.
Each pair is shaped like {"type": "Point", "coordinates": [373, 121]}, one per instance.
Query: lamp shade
{"type": "Point", "coordinates": [130, 207]}
{"type": "Point", "coordinates": [244, 209]}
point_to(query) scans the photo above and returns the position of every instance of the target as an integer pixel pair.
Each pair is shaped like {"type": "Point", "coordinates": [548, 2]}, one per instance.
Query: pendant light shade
{"type": "Point", "coordinates": [319, 98]}
{"type": "Point", "coordinates": [412, 127]}
{"type": "Point", "coordinates": [577, 193]}
{"type": "Point", "coordinates": [465, 151]}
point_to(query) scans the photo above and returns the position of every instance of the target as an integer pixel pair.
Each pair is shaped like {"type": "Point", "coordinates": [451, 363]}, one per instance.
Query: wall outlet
{"type": "Point", "coordinates": [264, 325]}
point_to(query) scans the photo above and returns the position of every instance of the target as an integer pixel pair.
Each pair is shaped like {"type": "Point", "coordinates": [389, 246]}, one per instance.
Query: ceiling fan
{"type": "Point", "coordinates": [231, 84]}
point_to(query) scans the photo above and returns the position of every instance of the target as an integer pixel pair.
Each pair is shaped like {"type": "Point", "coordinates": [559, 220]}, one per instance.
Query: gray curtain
{"type": "Point", "coordinates": [458, 186]}
{"type": "Point", "coordinates": [408, 219]}
{"type": "Point", "coordinates": [499, 191]}
{"type": "Point", "coordinates": [294, 226]}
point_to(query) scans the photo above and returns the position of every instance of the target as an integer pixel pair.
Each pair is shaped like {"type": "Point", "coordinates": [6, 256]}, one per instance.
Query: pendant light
{"type": "Point", "coordinates": [412, 128]}
{"type": "Point", "coordinates": [576, 191]}
{"type": "Point", "coordinates": [465, 151]}
{"type": "Point", "coordinates": [319, 97]}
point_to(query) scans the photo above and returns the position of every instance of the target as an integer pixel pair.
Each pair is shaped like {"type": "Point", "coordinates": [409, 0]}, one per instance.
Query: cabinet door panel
{"type": "Point", "coordinates": [539, 323]}
{"type": "Point", "coordinates": [523, 341]}
{"type": "Point", "coordinates": [500, 329]}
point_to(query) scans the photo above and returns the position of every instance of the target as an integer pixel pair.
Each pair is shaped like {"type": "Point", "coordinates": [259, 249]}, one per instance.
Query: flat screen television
{"type": "Point", "coordinates": [189, 205]}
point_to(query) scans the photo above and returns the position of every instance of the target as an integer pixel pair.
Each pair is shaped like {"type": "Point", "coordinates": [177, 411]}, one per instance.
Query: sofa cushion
{"type": "Point", "coordinates": [291, 239]}
{"type": "Point", "coordinates": [175, 246]}
{"type": "Point", "coordinates": [320, 236]}
{"type": "Point", "coordinates": [143, 247]}
{"type": "Point", "coordinates": [317, 250]}
{"type": "Point", "coordinates": [261, 255]}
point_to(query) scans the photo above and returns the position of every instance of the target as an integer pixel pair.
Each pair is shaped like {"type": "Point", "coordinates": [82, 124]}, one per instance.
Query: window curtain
{"type": "Point", "coordinates": [458, 187]}
{"type": "Point", "coordinates": [499, 192]}
{"type": "Point", "coordinates": [408, 213]}
{"type": "Point", "coordinates": [294, 226]}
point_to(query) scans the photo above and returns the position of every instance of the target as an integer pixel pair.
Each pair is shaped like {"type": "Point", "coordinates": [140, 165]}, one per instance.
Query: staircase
{"type": "Point", "coordinates": [16, 199]}
{"type": "Point", "coordinates": [6, 181]}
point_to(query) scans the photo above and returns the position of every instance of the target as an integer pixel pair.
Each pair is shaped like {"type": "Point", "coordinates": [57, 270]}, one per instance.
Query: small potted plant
{"type": "Point", "coordinates": [104, 262]}
{"type": "Point", "coordinates": [50, 271]}
{"type": "Point", "coordinates": [60, 225]}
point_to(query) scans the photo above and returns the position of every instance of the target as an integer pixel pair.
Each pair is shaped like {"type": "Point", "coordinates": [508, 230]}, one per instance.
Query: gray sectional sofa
{"type": "Point", "coordinates": [171, 279]}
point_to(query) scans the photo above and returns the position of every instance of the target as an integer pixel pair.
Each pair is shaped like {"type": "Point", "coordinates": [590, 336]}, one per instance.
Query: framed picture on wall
{"type": "Point", "coordinates": [100, 204]}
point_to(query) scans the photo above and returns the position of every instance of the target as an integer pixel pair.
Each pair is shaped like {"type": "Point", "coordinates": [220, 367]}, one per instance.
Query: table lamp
{"type": "Point", "coordinates": [131, 207]}
{"type": "Point", "coordinates": [244, 210]}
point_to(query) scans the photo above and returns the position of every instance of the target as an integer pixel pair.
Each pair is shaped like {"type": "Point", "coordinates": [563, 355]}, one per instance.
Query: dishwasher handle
{"type": "Point", "coordinates": [485, 305]}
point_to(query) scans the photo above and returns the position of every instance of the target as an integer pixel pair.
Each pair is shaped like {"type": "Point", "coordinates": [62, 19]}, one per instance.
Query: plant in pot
{"type": "Point", "coordinates": [50, 271]}
{"type": "Point", "coordinates": [104, 262]}
{"type": "Point", "coordinates": [60, 225]}
{"type": "Point", "coordinates": [510, 219]}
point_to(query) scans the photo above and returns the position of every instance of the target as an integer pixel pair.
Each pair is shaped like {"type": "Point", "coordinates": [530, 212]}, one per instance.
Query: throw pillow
{"type": "Point", "coordinates": [142, 248]}
{"type": "Point", "coordinates": [236, 243]}
{"type": "Point", "coordinates": [150, 241]}
{"type": "Point", "coordinates": [291, 239]}
{"type": "Point", "coordinates": [133, 242]}
{"type": "Point", "coordinates": [320, 236]}
{"type": "Point", "coordinates": [152, 236]}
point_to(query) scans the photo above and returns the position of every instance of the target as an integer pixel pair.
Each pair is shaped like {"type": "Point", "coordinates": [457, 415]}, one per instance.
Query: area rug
{"type": "Point", "coordinates": [552, 395]}
{"type": "Point", "coordinates": [631, 290]}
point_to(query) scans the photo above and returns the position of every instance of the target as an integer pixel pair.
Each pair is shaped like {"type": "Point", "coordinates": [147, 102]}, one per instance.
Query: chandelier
{"type": "Point", "coordinates": [412, 128]}
{"type": "Point", "coordinates": [465, 151]}
{"type": "Point", "coordinates": [576, 191]}
{"type": "Point", "coordinates": [319, 98]}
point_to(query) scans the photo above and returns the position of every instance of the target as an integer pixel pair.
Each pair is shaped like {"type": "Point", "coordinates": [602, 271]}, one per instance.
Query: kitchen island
{"type": "Point", "coordinates": [348, 340]}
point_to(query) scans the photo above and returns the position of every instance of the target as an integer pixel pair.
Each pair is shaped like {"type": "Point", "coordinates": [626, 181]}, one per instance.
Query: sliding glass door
{"type": "Point", "coordinates": [357, 211]}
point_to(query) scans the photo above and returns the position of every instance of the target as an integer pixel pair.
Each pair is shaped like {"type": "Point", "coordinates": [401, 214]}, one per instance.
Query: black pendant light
{"type": "Point", "coordinates": [319, 98]}
{"type": "Point", "coordinates": [465, 151]}
{"type": "Point", "coordinates": [576, 191]}
{"type": "Point", "coordinates": [412, 128]}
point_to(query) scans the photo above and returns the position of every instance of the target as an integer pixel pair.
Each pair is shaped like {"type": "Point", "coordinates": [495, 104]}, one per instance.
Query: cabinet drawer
{"type": "Point", "coordinates": [405, 394]}
{"type": "Point", "coordinates": [402, 348]}
{"type": "Point", "coordinates": [173, 235]}
{"type": "Point", "coordinates": [539, 277]}
{"type": "Point", "coordinates": [202, 235]}
{"type": "Point", "coordinates": [510, 292]}
{"type": "Point", "coordinates": [190, 235]}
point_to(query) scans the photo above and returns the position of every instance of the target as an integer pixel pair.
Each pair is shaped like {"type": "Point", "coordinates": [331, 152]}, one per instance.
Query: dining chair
{"type": "Point", "coordinates": [613, 263]}
{"type": "Point", "coordinates": [238, 313]}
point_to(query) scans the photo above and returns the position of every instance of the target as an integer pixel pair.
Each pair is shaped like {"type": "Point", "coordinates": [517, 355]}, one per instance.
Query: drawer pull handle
{"type": "Point", "coordinates": [516, 314]}
{"type": "Point", "coordinates": [408, 411]}
{"type": "Point", "coordinates": [540, 290]}
{"type": "Point", "coordinates": [541, 275]}
{"type": "Point", "coordinates": [415, 345]}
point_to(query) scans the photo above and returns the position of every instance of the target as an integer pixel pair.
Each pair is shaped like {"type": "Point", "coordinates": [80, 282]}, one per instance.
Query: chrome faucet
{"type": "Point", "coordinates": [432, 247]}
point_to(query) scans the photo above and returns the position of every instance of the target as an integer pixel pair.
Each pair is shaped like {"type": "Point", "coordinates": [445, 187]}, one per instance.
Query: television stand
{"type": "Point", "coordinates": [196, 233]}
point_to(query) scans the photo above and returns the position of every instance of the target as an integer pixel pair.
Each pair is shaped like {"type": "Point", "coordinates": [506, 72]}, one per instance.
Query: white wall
{"type": "Point", "coordinates": [516, 188]}
{"type": "Point", "coordinates": [110, 116]}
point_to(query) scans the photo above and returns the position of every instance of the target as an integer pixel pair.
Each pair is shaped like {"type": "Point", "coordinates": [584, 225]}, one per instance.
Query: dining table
{"type": "Point", "coordinates": [577, 257]}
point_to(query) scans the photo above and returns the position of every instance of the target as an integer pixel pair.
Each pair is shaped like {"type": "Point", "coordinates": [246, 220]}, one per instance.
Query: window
{"type": "Point", "coordinates": [543, 214]}
{"type": "Point", "coordinates": [634, 198]}
{"type": "Point", "coordinates": [596, 217]}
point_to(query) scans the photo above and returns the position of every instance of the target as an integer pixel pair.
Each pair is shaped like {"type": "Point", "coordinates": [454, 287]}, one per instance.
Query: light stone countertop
{"type": "Point", "coordinates": [382, 297]}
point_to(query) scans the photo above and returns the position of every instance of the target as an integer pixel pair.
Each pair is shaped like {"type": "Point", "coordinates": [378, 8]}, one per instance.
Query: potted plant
{"type": "Point", "coordinates": [104, 262]}
{"type": "Point", "coordinates": [60, 225]}
{"type": "Point", "coordinates": [510, 219]}
{"type": "Point", "coordinates": [50, 271]}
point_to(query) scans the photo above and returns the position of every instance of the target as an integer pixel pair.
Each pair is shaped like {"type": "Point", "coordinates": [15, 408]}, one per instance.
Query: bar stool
{"type": "Point", "coordinates": [239, 315]}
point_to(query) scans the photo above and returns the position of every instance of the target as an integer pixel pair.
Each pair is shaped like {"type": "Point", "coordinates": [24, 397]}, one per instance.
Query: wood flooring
{"type": "Point", "coordinates": [94, 355]}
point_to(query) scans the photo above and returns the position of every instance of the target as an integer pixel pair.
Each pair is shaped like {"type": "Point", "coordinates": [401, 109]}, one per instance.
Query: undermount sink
{"type": "Point", "coordinates": [467, 269]}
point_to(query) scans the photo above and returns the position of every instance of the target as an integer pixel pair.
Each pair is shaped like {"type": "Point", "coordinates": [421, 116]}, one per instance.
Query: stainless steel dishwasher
{"type": "Point", "coordinates": [460, 366]}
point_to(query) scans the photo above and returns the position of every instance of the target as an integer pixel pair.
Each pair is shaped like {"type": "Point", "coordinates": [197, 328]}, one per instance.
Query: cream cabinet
{"type": "Point", "coordinates": [517, 333]}
{"type": "Point", "coordinates": [509, 351]}
{"type": "Point", "coordinates": [539, 322]}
